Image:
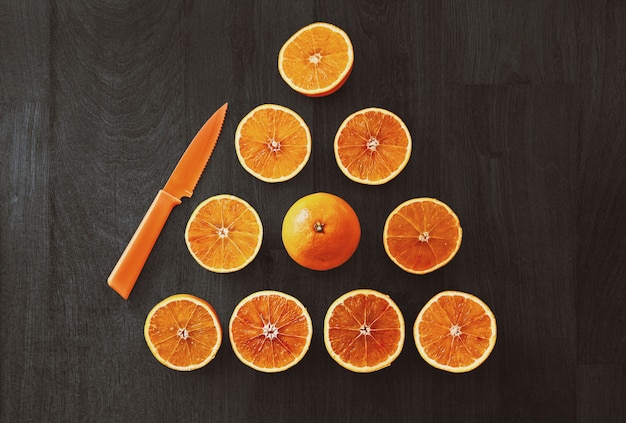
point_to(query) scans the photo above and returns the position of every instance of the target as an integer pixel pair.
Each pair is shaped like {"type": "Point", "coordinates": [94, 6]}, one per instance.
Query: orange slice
{"type": "Point", "coordinates": [317, 60]}
{"type": "Point", "coordinates": [183, 332]}
{"type": "Point", "coordinates": [422, 235]}
{"type": "Point", "coordinates": [224, 233]}
{"type": "Point", "coordinates": [364, 331]}
{"type": "Point", "coordinates": [270, 331]}
{"type": "Point", "coordinates": [273, 143]}
{"type": "Point", "coordinates": [372, 146]}
{"type": "Point", "coordinates": [455, 332]}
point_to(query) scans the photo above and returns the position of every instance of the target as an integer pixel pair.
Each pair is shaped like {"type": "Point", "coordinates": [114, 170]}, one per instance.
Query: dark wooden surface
{"type": "Point", "coordinates": [517, 112]}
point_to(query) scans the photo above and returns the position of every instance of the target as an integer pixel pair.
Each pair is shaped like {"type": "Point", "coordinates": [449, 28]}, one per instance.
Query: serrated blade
{"type": "Point", "coordinates": [187, 173]}
{"type": "Point", "coordinates": [180, 184]}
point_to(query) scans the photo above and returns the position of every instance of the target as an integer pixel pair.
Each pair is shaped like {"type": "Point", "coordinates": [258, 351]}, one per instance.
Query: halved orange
{"type": "Point", "coordinates": [455, 331]}
{"type": "Point", "coordinates": [270, 331]}
{"type": "Point", "coordinates": [372, 146]}
{"type": "Point", "coordinates": [364, 330]}
{"type": "Point", "coordinates": [183, 332]}
{"type": "Point", "coordinates": [422, 235]}
{"type": "Point", "coordinates": [317, 60]}
{"type": "Point", "coordinates": [273, 143]}
{"type": "Point", "coordinates": [224, 233]}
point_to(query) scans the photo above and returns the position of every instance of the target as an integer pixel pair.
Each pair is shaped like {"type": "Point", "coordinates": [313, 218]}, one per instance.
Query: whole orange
{"type": "Point", "coordinates": [321, 231]}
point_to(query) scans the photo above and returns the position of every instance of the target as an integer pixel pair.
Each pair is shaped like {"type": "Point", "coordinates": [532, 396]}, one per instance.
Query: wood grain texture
{"type": "Point", "coordinates": [602, 188]}
{"type": "Point", "coordinates": [517, 114]}
{"type": "Point", "coordinates": [25, 45]}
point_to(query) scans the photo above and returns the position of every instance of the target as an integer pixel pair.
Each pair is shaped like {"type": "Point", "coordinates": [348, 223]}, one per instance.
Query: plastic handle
{"type": "Point", "coordinates": [134, 257]}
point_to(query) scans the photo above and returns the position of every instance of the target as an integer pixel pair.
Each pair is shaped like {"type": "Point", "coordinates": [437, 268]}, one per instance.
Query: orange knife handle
{"type": "Point", "coordinates": [134, 257]}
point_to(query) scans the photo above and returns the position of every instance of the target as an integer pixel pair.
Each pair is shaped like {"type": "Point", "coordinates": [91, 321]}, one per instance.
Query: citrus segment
{"type": "Point", "coordinates": [455, 331]}
{"type": "Point", "coordinates": [224, 233]}
{"type": "Point", "coordinates": [183, 332]}
{"type": "Point", "coordinates": [270, 331]}
{"type": "Point", "coordinates": [372, 146]}
{"type": "Point", "coordinates": [273, 143]}
{"type": "Point", "coordinates": [364, 331]}
{"type": "Point", "coordinates": [321, 231]}
{"type": "Point", "coordinates": [317, 60]}
{"type": "Point", "coordinates": [422, 235]}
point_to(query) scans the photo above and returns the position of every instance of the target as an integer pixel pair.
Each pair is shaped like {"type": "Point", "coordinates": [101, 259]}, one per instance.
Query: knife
{"type": "Point", "coordinates": [180, 184]}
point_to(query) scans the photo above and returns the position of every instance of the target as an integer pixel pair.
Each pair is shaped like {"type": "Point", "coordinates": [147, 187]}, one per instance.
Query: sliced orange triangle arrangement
{"type": "Point", "coordinates": [364, 329]}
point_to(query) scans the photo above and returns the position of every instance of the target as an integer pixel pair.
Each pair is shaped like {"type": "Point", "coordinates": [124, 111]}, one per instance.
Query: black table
{"type": "Point", "coordinates": [517, 112]}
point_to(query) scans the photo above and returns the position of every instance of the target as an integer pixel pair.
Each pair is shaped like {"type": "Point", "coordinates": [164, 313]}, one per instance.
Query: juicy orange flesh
{"type": "Point", "coordinates": [364, 330]}
{"type": "Point", "coordinates": [273, 143]}
{"type": "Point", "coordinates": [422, 235]}
{"type": "Point", "coordinates": [455, 331]}
{"type": "Point", "coordinates": [270, 331]}
{"type": "Point", "coordinates": [224, 234]}
{"type": "Point", "coordinates": [183, 333]}
{"type": "Point", "coordinates": [372, 145]}
{"type": "Point", "coordinates": [316, 58]}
